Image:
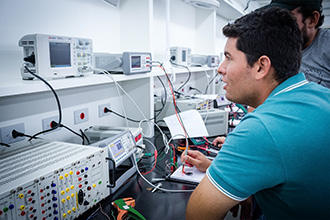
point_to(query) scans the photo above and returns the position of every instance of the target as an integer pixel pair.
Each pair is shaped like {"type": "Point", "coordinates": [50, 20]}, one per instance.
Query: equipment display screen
{"type": "Point", "coordinates": [184, 55]}
{"type": "Point", "coordinates": [59, 54]}
{"type": "Point", "coordinates": [136, 61]}
{"type": "Point", "coordinates": [117, 149]}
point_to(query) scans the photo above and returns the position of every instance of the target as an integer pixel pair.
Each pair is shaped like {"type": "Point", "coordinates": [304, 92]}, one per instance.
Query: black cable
{"type": "Point", "coordinates": [84, 135]}
{"type": "Point", "coordinates": [189, 75]}
{"type": "Point", "coordinates": [111, 111]}
{"type": "Point", "coordinates": [57, 100]}
{"type": "Point", "coordinates": [54, 125]}
{"type": "Point", "coordinates": [159, 111]}
{"type": "Point", "coordinates": [165, 94]}
{"type": "Point", "coordinates": [140, 147]}
{"type": "Point", "coordinates": [207, 87]}
{"type": "Point", "coordinates": [174, 103]}
{"type": "Point", "coordinates": [3, 144]}
{"type": "Point", "coordinates": [16, 134]}
{"type": "Point", "coordinates": [122, 116]}
{"type": "Point", "coordinates": [178, 94]}
{"type": "Point", "coordinates": [192, 88]}
{"type": "Point", "coordinates": [175, 106]}
{"type": "Point", "coordinates": [63, 126]}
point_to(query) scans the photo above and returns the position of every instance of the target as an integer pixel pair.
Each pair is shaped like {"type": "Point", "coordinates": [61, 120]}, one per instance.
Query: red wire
{"type": "Point", "coordinates": [174, 102]}
{"type": "Point", "coordinates": [156, 155]}
{"type": "Point", "coordinates": [176, 112]}
{"type": "Point", "coordinates": [173, 152]}
{"type": "Point", "coordinates": [207, 141]}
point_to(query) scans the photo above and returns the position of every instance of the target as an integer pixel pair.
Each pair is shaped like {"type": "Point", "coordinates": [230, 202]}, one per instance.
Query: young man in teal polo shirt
{"type": "Point", "coordinates": [280, 152]}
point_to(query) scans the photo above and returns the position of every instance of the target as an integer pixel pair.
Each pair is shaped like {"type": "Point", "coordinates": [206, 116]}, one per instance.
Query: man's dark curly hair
{"type": "Point", "coordinates": [307, 11]}
{"type": "Point", "coordinates": [273, 32]}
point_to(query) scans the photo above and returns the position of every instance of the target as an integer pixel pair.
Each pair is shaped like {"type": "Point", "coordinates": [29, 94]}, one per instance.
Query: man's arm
{"type": "Point", "coordinates": [207, 202]}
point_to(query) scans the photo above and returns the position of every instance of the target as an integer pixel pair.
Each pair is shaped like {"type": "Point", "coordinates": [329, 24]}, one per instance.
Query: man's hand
{"type": "Point", "coordinates": [218, 142]}
{"type": "Point", "coordinates": [196, 159]}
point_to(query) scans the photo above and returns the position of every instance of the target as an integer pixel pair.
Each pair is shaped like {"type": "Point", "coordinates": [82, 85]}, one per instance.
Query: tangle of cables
{"type": "Point", "coordinates": [54, 124]}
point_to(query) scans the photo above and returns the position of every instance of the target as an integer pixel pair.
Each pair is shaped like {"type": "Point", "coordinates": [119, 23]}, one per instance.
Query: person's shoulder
{"type": "Point", "coordinates": [313, 87]}
{"type": "Point", "coordinates": [324, 32]}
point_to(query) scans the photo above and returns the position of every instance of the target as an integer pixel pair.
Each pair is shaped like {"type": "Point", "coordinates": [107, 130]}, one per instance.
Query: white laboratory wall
{"type": "Point", "coordinates": [220, 38]}
{"type": "Point", "coordinates": [183, 24]}
{"type": "Point", "coordinates": [136, 24]}
{"type": "Point", "coordinates": [93, 19]}
{"type": "Point", "coordinates": [158, 32]}
{"type": "Point", "coordinates": [182, 27]}
{"type": "Point", "coordinates": [190, 27]}
{"type": "Point", "coordinates": [205, 32]}
{"type": "Point", "coordinates": [220, 45]}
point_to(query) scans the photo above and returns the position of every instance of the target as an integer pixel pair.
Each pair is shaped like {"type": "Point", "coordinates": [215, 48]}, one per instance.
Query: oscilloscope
{"type": "Point", "coordinates": [55, 56]}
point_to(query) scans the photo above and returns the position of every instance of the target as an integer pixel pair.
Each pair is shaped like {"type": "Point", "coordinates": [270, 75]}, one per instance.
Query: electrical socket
{"type": "Point", "coordinates": [46, 122]}
{"type": "Point", "coordinates": [80, 116]}
{"type": "Point", "coordinates": [187, 87]}
{"type": "Point", "coordinates": [102, 112]}
{"type": "Point", "coordinates": [6, 133]}
{"type": "Point", "coordinates": [183, 89]}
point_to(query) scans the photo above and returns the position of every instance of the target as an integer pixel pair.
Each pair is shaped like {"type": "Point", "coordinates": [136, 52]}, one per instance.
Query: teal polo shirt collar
{"type": "Point", "coordinates": [290, 84]}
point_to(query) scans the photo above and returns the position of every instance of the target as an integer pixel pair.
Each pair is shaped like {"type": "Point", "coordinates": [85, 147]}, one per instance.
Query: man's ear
{"type": "Point", "coordinates": [262, 66]}
{"type": "Point", "coordinates": [313, 19]}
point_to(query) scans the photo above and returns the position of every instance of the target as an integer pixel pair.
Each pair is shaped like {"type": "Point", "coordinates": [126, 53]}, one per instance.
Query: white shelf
{"type": "Point", "coordinates": [21, 87]}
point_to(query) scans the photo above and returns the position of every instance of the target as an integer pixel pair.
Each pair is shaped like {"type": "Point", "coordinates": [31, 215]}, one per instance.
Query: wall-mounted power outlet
{"type": "Point", "coordinates": [80, 116]}
{"type": "Point", "coordinates": [182, 88]}
{"type": "Point", "coordinates": [102, 111]}
{"type": "Point", "coordinates": [6, 133]}
{"type": "Point", "coordinates": [187, 87]}
{"type": "Point", "coordinates": [47, 122]}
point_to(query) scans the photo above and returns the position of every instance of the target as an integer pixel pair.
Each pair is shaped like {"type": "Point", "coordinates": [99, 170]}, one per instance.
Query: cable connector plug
{"type": "Point", "coordinates": [106, 110]}
{"type": "Point", "coordinates": [84, 69]}
{"type": "Point", "coordinates": [54, 124]}
{"type": "Point", "coordinates": [16, 134]}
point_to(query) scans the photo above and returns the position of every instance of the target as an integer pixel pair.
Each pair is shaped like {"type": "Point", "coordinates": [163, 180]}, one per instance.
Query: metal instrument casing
{"type": "Point", "coordinates": [54, 180]}
{"type": "Point", "coordinates": [52, 57]}
{"type": "Point", "coordinates": [128, 63]}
